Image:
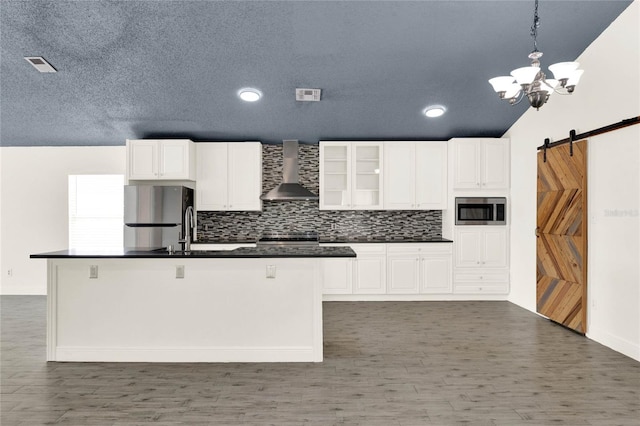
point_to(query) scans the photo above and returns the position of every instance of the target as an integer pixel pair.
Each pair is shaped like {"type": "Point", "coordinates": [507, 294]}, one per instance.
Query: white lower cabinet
{"type": "Point", "coordinates": [419, 268]}
{"type": "Point", "coordinates": [364, 274]}
{"type": "Point", "coordinates": [370, 269]}
{"type": "Point", "coordinates": [391, 269]}
{"type": "Point", "coordinates": [481, 263]}
{"type": "Point", "coordinates": [478, 281]}
{"type": "Point", "coordinates": [337, 276]}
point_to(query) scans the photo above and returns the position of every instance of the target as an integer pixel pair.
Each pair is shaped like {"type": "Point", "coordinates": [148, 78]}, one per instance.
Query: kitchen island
{"type": "Point", "coordinates": [251, 304]}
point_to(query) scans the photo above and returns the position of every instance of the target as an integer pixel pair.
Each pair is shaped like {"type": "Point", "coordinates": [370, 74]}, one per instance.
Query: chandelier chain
{"type": "Point", "coordinates": [531, 82]}
{"type": "Point", "coordinates": [535, 26]}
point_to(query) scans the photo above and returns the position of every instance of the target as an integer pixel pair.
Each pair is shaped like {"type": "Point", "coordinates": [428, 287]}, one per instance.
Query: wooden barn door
{"type": "Point", "coordinates": [562, 236]}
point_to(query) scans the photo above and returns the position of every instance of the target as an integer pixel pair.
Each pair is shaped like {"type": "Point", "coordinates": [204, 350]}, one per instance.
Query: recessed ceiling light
{"type": "Point", "coordinates": [434, 111]}
{"type": "Point", "coordinates": [249, 94]}
{"type": "Point", "coordinates": [40, 64]}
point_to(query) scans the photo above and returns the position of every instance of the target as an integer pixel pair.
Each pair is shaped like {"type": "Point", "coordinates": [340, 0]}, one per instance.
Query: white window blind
{"type": "Point", "coordinates": [96, 206]}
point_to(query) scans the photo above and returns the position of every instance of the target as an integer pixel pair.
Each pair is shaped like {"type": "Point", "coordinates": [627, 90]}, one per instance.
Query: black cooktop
{"type": "Point", "coordinates": [289, 238]}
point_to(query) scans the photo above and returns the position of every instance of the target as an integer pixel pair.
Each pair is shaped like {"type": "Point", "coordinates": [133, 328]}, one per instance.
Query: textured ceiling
{"type": "Point", "coordinates": [141, 69]}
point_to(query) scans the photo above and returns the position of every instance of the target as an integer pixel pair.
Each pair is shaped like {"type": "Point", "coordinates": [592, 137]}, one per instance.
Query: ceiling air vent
{"type": "Point", "coordinates": [40, 64]}
{"type": "Point", "coordinates": [306, 95]}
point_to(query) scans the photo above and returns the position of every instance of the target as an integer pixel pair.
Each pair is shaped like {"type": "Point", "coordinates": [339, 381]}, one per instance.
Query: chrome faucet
{"type": "Point", "coordinates": [188, 227]}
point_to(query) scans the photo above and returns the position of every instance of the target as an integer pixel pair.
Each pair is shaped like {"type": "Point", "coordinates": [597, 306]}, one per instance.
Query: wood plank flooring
{"type": "Point", "coordinates": [386, 363]}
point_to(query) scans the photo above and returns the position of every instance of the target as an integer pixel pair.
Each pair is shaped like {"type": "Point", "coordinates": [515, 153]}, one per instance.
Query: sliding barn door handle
{"type": "Point", "coordinates": [537, 232]}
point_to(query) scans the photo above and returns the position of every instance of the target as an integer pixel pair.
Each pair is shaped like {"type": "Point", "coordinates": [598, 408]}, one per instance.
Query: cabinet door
{"type": "Point", "coordinates": [244, 176]}
{"type": "Point", "coordinates": [436, 274]}
{"type": "Point", "coordinates": [431, 175]}
{"type": "Point", "coordinates": [335, 176]}
{"type": "Point", "coordinates": [495, 164]}
{"type": "Point", "coordinates": [366, 163]}
{"type": "Point", "coordinates": [466, 163]}
{"type": "Point", "coordinates": [370, 274]}
{"type": "Point", "coordinates": [211, 178]}
{"type": "Point", "coordinates": [143, 159]}
{"type": "Point", "coordinates": [403, 273]}
{"type": "Point", "coordinates": [399, 176]}
{"type": "Point", "coordinates": [337, 276]}
{"type": "Point", "coordinates": [494, 248]}
{"type": "Point", "coordinates": [468, 246]}
{"type": "Point", "coordinates": [174, 159]}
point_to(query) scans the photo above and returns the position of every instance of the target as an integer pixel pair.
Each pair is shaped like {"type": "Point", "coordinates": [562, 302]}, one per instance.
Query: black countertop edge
{"type": "Point", "coordinates": [341, 241]}
{"type": "Point", "coordinates": [375, 241]}
{"type": "Point", "coordinates": [240, 253]}
{"type": "Point", "coordinates": [224, 242]}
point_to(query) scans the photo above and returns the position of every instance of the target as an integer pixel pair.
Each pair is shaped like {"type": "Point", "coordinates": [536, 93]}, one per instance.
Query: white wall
{"type": "Point", "coordinates": [609, 92]}
{"type": "Point", "coordinates": [3, 271]}
{"type": "Point", "coordinates": [34, 209]}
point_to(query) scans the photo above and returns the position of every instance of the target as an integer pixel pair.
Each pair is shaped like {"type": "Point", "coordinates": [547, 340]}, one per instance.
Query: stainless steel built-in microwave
{"type": "Point", "coordinates": [481, 211]}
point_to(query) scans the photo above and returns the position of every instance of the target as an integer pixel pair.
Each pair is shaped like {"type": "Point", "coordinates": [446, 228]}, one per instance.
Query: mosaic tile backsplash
{"type": "Point", "coordinates": [305, 215]}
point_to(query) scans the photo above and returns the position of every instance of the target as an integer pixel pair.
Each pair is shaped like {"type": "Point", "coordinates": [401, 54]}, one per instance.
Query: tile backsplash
{"type": "Point", "coordinates": [305, 215]}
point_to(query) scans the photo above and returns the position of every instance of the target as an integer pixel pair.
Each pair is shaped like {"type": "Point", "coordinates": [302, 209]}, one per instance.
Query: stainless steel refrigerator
{"type": "Point", "coordinates": [154, 216]}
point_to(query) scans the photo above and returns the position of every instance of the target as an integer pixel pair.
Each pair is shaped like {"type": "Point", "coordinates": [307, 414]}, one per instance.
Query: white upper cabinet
{"type": "Point", "coordinates": [351, 175]}
{"type": "Point", "coordinates": [161, 159]}
{"type": "Point", "coordinates": [245, 176]}
{"type": "Point", "coordinates": [480, 163]}
{"type": "Point", "coordinates": [229, 176]}
{"type": "Point", "coordinates": [415, 175]}
{"type": "Point", "coordinates": [212, 191]}
{"type": "Point", "coordinates": [400, 176]}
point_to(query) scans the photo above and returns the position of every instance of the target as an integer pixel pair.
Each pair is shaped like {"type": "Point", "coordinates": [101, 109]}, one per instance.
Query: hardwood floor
{"type": "Point", "coordinates": [386, 363]}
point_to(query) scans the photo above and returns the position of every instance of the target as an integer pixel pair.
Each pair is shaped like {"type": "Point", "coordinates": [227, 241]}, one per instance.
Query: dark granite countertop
{"type": "Point", "coordinates": [384, 240]}
{"type": "Point", "coordinates": [224, 242]}
{"type": "Point", "coordinates": [243, 252]}
{"type": "Point", "coordinates": [343, 241]}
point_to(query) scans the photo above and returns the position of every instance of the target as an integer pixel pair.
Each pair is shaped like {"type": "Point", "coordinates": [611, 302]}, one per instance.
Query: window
{"type": "Point", "coordinates": [96, 207]}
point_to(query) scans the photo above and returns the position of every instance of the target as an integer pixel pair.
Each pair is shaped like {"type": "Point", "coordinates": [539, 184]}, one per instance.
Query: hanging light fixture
{"type": "Point", "coordinates": [532, 82]}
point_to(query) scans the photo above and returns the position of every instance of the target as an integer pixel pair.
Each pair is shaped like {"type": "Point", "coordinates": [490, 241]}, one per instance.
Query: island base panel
{"type": "Point", "coordinates": [223, 310]}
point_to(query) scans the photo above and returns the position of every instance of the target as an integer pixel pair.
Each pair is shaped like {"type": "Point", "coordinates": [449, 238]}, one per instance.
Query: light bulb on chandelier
{"type": "Point", "coordinates": [532, 82]}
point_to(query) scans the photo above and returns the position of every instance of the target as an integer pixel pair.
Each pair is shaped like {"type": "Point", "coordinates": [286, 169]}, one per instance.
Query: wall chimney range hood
{"type": "Point", "coordinates": [289, 189]}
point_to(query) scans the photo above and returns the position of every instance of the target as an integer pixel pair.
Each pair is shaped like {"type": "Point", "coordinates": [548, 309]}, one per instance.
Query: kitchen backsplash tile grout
{"type": "Point", "coordinates": [306, 215]}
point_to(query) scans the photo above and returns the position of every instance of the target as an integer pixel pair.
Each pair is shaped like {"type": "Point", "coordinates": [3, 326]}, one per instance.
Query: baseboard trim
{"type": "Point", "coordinates": [618, 344]}
{"type": "Point", "coordinates": [410, 297]}
{"type": "Point", "coordinates": [188, 354]}
{"type": "Point", "coordinates": [21, 290]}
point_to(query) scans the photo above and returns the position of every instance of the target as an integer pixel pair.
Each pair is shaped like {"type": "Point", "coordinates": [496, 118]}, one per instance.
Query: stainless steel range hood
{"type": "Point", "coordinates": [289, 189]}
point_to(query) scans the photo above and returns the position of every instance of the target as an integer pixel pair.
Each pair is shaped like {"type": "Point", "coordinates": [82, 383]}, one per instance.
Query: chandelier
{"type": "Point", "coordinates": [532, 82]}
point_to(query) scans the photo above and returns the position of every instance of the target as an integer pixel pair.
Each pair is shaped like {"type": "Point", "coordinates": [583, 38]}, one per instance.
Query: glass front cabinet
{"type": "Point", "coordinates": [351, 176]}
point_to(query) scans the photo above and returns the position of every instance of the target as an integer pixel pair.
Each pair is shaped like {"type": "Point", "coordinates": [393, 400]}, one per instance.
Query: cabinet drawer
{"type": "Point", "coordinates": [481, 288]}
{"type": "Point", "coordinates": [419, 248]}
{"type": "Point", "coordinates": [480, 276]}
